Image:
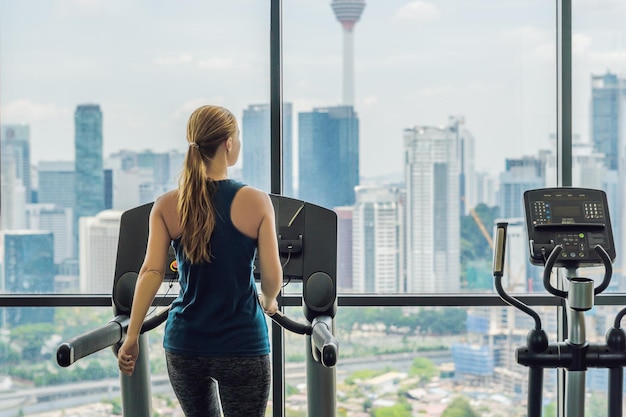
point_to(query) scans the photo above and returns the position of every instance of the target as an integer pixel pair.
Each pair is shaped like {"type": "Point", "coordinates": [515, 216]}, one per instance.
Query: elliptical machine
{"type": "Point", "coordinates": [568, 228]}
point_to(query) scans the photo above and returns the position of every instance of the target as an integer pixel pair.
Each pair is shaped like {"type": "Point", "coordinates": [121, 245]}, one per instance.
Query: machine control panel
{"type": "Point", "coordinates": [575, 218]}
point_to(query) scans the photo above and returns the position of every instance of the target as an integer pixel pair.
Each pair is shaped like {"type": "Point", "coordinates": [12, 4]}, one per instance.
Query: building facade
{"type": "Point", "coordinates": [328, 156]}
{"type": "Point", "coordinates": [377, 237]}
{"type": "Point", "coordinates": [256, 147]}
{"type": "Point", "coordinates": [433, 209]}
{"type": "Point", "coordinates": [88, 165]}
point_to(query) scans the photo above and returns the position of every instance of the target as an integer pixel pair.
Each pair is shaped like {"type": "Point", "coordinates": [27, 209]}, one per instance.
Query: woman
{"type": "Point", "coordinates": [216, 338]}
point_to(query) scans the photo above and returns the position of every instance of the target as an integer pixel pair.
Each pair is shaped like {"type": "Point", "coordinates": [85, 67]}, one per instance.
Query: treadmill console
{"type": "Point", "coordinates": [576, 218]}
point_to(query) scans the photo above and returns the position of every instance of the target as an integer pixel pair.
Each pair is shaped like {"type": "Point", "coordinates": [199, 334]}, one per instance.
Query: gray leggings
{"type": "Point", "coordinates": [240, 384]}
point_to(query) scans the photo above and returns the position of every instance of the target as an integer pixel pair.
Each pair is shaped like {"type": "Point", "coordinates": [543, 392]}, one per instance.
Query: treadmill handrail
{"type": "Point", "coordinates": [92, 341]}
{"type": "Point", "coordinates": [103, 337]}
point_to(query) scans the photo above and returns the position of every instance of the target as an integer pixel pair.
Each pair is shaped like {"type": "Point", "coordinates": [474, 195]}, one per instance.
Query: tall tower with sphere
{"type": "Point", "coordinates": [348, 13]}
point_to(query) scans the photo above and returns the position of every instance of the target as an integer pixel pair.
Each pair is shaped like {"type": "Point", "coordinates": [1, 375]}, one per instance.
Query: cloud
{"type": "Point", "coordinates": [185, 109]}
{"type": "Point", "coordinates": [531, 42]}
{"type": "Point", "coordinates": [217, 63]}
{"type": "Point", "coordinates": [600, 5]}
{"type": "Point", "coordinates": [27, 111]}
{"type": "Point", "coordinates": [580, 44]}
{"type": "Point", "coordinates": [370, 101]}
{"type": "Point", "coordinates": [418, 12]}
{"type": "Point", "coordinates": [609, 59]}
{"type": "Point", "coordinates": [174, 60]}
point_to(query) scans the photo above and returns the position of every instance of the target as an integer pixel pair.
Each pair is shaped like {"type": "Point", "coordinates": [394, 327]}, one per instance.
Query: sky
{"type": "Point", "coordinates": [149, 63]}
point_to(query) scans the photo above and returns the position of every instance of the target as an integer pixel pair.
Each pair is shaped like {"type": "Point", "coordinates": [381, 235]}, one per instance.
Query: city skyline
{"type": "Point", "coordinates": [505, 87]}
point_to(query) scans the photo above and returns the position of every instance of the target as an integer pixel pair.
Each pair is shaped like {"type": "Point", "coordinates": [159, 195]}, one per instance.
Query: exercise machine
{"type": "Point", "coordinates": [568, 228]}
{"type": "Point", "coordinates": [307, 243]}
{"type": "Point", "coordinates": [307, 238]}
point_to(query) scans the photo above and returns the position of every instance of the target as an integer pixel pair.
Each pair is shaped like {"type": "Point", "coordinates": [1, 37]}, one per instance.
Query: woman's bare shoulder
{"type": "Point", "coordinates": [166, 202]}
{"type": "Point", "coordinates": [252, 194]}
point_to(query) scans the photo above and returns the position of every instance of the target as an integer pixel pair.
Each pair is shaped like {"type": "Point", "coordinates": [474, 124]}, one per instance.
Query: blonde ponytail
{"type": "Point", "coordinates": [207, 128]}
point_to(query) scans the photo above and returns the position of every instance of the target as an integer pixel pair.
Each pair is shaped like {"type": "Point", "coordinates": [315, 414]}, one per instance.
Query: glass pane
{"type": "Point", "coordinates": [95, 100]}
{"type": "Point", "coordinates": [599, 95]}
{"type": "Point", "coordinates": [33, 383]}
{"type": "Point", "coordinates": [426, 360]}
{"type": "Point", "coordinates": [420, 123]}
{"type": "Point", "coordinates": [598, 153]}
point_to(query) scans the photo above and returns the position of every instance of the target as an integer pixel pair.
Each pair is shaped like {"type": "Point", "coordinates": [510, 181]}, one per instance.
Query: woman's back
{"type": "Point", "coordinates": [216, 332]}
{"type": "Point", "coordinates": [217, 312]}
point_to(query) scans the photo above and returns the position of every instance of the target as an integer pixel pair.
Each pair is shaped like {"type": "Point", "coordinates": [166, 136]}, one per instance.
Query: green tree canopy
{"type": "Point", "coordinates": [459, 407]}
{"type": "Point", "coordinates": [423, 368]}
{"type": "Point", "coordinates": [396, 410]}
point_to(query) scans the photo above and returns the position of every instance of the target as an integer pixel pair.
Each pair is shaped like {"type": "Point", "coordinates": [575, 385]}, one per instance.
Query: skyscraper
{"type": "Point", "coordinates": [608, 127]}
{"type": "Point", "coordinates": [59, 221]}
{"type": "Point", "coordinates": [328, 156]}
{"type": "Point", "coordinates": [57, 183]}
{"type": "Point", "coordinates": [344, 247]}
{"type": "Point", "coordinates": [15, 166]}
{"type": "Point", "coordinates": [88, 162]}
{"type": "Point", "coordinates": [13, 201]}
{"type": "Point", "coordinates": [348, 13]}
{"type": "Point", "coordinates": [465, 143]}
{"type": "Point", "coordinates": [98, 250]}
{"type": "Point", "coordinates": [608, 97]}
{"type": "Point", "coordinates": [432, 210]}
{"type": "Point", "coordinates": [15, 140]}
{"type": "Point", "coordinates": [520, 174]}
{"type": "Point", "coordinates": [28, 268]}
{"type": "Point", "coordinates": [377, 254]}
{"type": "Point", "coordinates": [255, 137]}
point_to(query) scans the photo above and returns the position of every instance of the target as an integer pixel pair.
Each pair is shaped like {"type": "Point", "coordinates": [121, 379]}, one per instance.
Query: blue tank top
{"type": "Point", "coordinates": [217, 311]}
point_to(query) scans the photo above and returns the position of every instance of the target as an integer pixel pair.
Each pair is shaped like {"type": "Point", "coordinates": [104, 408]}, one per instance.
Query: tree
{"type": "Point", "coordinates": [549, 410]}
{"type": "Point", "coordinates": [396, 410]}
{"type": "Point", "coordinates": [423, 368]}
{"type": "Point", "coordinates": [30, 338]}
{"type": "Point", "coordinates": [459, 407]}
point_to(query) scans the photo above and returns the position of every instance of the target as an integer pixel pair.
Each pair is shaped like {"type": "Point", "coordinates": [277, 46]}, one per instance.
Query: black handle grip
{"type": "Point", "coordinates": [291, 325]}
{"type": "Point", "coordinates": [326, 343]}
{"type": "Point", "coordinates": [88, 343]}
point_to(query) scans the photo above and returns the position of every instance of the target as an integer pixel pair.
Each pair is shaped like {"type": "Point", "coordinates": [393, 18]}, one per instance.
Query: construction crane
{"type": "Point", "coordinates": [480, 225]}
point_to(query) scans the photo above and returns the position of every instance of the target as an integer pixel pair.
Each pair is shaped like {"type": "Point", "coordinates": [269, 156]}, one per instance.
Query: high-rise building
{"type": "Point", "coordinates": [377, 230]}
{"type": "Point", "coordinates": [177, 159]}
{"type": "Point", "coordinates": [608, 98]}
{"type": "Point", "coordinates": [13, 201]}
{"type": "Point", "coordinates": [467, 180]}
{"type": "Point", "coordinates": [328, 156]}
{"type": "Point", "coordinates": [158, 167]}
{"type": "Point", "coordinates": [520, 174]}
{"type": "Point", "coordinates": [348, 12]}
{"type": "Point", "coordinates": [108, 188]}
{"type": "Point", "coordinates": [98, 251]}
{"type": "Point", "coordinates": [89, 182]}
{"type": "Point", "coordinates": [432, 169]}
{"type": "Point", "coordinates": [28, 268]}
{"type": "Point", "coordinates": [608, 127]}
{"type": "Point", "coordinates": [59, 221]}
{"type": "Point", "coordinates": [57, 183]}
{"type": "Point", "coordinates": [255, 136]}
{"type": "Point", "coordinates": [88, 164]}
{"type": "Point", "coordinates": [15, 144]}
{"type": "Point", "coordinates": [344, 248]}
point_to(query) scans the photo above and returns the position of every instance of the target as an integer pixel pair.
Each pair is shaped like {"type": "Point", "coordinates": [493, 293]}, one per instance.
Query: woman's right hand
{"type": "Point", "coordinates": [127, 356]}
{"type": "Point", "coordinates": [269, 305]}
